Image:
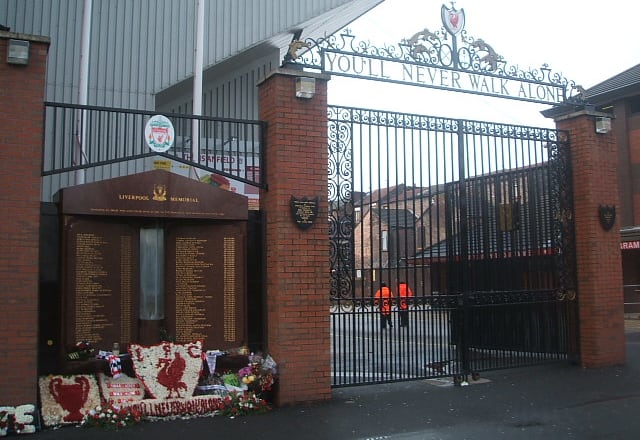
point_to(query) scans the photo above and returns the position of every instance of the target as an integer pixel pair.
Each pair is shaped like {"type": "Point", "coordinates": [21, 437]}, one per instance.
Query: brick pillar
{"type": "Point", "coordinates": [21, 129]}
{"type": "Point", "coordinates": [297, 260]}
{"type": "Point", "coordinates": [598, 258]}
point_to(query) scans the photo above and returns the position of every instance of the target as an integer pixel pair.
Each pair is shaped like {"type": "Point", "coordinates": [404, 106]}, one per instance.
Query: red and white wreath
{"type": "Point", "coordinates": [168, 370]}
{"type": "Point", "coordinates": [66, 399]}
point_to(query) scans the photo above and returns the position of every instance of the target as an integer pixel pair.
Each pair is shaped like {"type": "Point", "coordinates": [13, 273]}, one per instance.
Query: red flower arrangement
{"type": "Point", "coordinates": [111, 417]}
{"type": "Point", "coordinates": [241, 404]}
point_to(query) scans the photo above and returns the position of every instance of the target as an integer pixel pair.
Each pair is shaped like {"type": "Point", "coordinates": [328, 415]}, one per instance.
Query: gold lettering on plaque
{"type": "Point", "coordinates": [90, 293]}
{"type": "Point", "coordinates": [133, 197]}
{"type": "Point", "coordinates": [230, 330]}
{"type": "Point", "coordinates": [184, 199]}
{"type": "Point", "coordinates": [191, 290]}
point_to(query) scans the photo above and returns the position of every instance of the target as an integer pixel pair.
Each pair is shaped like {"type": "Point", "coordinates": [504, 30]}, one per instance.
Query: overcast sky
{"type": "Point", "coordinates": [586, 42]}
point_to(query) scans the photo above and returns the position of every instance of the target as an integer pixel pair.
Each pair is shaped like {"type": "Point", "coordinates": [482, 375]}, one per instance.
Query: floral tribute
{"type": "Point", "coordinates": [66, 399]}
{"type": "Point", "coordinates": [259, 375]}
{"type": "Point", "coordinates": [18, 420]}
{"type": "Point", "coordinates": [233, 404]}
{"type": "Point", "coordinates": [168, 370]}
{"type": "Point", "coordinates": [121, 390]}
{"type": "Point", "coordinates": [111, 417]}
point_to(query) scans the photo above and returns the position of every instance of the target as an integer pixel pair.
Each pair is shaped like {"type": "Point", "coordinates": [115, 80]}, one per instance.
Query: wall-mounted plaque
{"type": "Point", "coordinates": [607, 215]}
{"type": "Point", "coordinates": [101, 281]}
{"type": "Point", "coordinates": [206, 288]}
{"type": "Point", "coordinates": [304, 211]}
{"type": "Point", "coordinates": [203, 244]}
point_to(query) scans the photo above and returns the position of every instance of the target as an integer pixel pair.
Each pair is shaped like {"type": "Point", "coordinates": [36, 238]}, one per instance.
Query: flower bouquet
{"type": "Point", "coordinates": [242, 404]}
{"type": "Point", "coordinates": [111, 417]}
{"type": "Point", "coordinates": [259, 375]}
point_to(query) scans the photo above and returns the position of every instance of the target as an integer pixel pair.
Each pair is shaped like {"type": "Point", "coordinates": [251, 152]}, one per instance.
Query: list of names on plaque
{"type": "Point", "coordinates": [126, 308]}
{"type": "Point", "coordinates": [90, 288]}
{"type": "Point", "coordinates": [191, 289]}
{"type": "Point", "coordinates": [230, 333]}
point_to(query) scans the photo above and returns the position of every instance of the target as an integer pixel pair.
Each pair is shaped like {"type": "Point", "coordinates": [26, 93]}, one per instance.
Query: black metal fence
{"type": "Point", "coordinates": [87, 143]}
{"type": "Point", "coordinates": [475, 217]}
{"type": "Point", "coordinates": [632, 298]}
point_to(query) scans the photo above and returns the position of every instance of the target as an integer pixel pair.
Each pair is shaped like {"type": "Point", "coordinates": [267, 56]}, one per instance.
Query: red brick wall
{"type": "Point", "coordinates": [600, 293]}
{"type": "Point", "coordinates": [634, 158]}
{"type": "Point", "coordinates": [21, 125]}
{"type": "Point", "coordinates": [297, 261]}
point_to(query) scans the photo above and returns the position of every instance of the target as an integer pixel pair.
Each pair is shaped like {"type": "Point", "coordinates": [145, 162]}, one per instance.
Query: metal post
{"type": "Point", "coordinates": [197, 85]}
{"type": "Point", "coordinates": [83, 92]}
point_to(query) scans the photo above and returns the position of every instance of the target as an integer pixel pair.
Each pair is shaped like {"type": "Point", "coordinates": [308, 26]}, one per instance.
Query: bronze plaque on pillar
{"type": "Point", "coordinates": [206, 286]}
{"type": "Point", "coordinates": [101, 281]}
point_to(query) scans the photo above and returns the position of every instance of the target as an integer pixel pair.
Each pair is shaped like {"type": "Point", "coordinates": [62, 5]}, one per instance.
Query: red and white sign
{"type": "Point", "coordinates": [159, 133]}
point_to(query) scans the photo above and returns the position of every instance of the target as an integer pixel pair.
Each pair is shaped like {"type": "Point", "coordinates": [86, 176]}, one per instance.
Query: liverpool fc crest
{"type": "Point", "coordinates": [452, 19]}
{"type": "Point", "coordinates": [607, 216]}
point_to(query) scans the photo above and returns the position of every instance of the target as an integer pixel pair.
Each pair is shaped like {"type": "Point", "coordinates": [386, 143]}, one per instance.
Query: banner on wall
{"type": "Point", "coordinates": [233, 162]}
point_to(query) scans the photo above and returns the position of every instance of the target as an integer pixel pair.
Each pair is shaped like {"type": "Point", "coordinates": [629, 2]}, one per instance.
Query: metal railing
{"type": "Point", "coordinates": [88, 143]}
{"type": "Point", "coordinates": [631, 298]}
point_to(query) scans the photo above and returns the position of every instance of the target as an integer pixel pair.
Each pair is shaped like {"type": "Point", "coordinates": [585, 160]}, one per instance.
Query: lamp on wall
{"type": "Point", "coordinates": [603, 125]}
{"type": "Point", "coordinates": [305, 87]}
{"type": "Point", "coordinates": [18, 52]}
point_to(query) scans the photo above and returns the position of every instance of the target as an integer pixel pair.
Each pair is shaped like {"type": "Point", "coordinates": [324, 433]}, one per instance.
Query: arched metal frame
{"type": "Point", "coordinates": [445, 49]}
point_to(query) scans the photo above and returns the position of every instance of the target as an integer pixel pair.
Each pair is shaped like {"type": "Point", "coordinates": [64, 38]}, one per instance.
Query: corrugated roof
{"type": "Point", "coordinates": [141, 48]}
{"type": "Point", "coordinates": [622, 85]}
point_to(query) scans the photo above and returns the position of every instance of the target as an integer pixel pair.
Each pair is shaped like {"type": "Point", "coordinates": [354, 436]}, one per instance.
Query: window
{"type": "Point", "coordinates": [634, 105]}
{"type": "Point", "coordinates": [385, 241]}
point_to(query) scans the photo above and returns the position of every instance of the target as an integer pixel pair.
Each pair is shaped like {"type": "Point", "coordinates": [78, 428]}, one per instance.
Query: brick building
{"type": "Point", "coordinates": [620, 97]}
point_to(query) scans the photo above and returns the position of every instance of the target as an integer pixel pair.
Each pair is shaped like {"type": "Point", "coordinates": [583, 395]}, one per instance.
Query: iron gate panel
{"type": "Point", "coordinates": [475, 217]}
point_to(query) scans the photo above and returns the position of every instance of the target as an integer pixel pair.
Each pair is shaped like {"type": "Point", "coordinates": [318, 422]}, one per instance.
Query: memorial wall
{"type": "Point", "coordinates": [202, 289]}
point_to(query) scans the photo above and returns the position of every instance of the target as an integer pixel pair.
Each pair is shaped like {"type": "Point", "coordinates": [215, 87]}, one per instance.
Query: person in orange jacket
{"type": "Point", "coordinates": [384, 299]}
{"type": "Point", "coordinates": [405, 294]}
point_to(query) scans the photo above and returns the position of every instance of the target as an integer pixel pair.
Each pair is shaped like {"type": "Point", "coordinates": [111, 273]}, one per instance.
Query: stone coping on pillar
{"type": "Point", "coordinates": [283, 71]}
{"type": "Point", "coordinates": [7, 35]}
{"type": "Point", "coordinates": [565, 112]}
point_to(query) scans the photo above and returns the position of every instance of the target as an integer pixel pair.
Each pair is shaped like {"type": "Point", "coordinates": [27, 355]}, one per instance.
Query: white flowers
{"type": "Point", "coordinates": [18, 420]}
{"type": "Point", "coordinates": [65, 399]}
{"type": "Point", "coordinates": [168, 370]}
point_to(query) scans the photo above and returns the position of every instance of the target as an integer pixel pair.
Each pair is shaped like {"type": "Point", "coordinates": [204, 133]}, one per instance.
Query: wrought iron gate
{"type": "Point", "coordinates": [475, 217]}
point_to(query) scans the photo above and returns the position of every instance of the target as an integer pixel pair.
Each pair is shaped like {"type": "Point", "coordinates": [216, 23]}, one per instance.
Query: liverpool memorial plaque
{"type": "Point", "coordinates": [101, 277]}
{"type": "Point", "coordinates": [205, 292]}
{"type": "Point", "coordinates": [200, 286]}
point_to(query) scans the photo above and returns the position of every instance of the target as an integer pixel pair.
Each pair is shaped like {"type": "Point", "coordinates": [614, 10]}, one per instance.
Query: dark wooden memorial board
{"type": "Point", "coordinates": [204, 263]}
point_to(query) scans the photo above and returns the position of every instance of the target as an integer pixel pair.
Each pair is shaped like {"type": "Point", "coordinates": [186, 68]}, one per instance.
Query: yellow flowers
{"type": "Point", "coordinates": [248, 379]}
